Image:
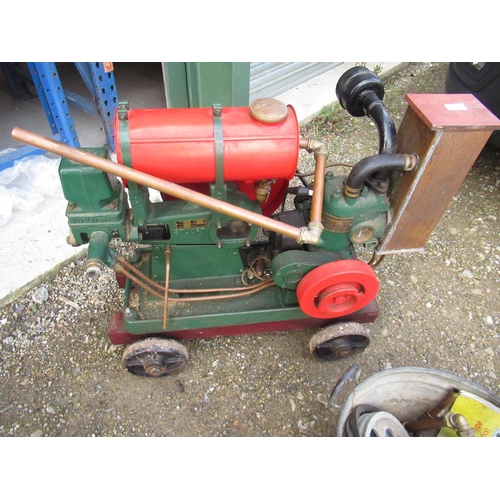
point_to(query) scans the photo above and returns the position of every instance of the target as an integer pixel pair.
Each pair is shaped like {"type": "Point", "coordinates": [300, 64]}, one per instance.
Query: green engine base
{"type": "Point", "coordinates": [270, 310]}
{"type": "Point", "coordinates": [245, 322]}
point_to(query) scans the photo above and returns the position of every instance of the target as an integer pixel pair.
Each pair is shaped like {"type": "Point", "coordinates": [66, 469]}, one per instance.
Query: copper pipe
{"type": "Point", "coordinates": [446, 402]}
{"type": "Point", "coordinates": [167, 279]}
{"type": "Point", "coordinates": [454, 421]}
{"type": "Point", "coordinates": [425, 425]}
{"type": "Point", "coordinates": [243, 293]}
{"type": "Point", "coordinates": [238, 289]}
{"type": "Point", "coordinates": [318, 189]}
{"type": "Point", "coordinates": [434, 413]}
{"type": "Point", "coordinates": [161, 185]}
{"type": "Point", "coordinates": [376, 261]}
{"type": "Point", "coordinates": [143, 276]}
{"type": "Point", "coordinates": [303, 143]}
{"type": "Point", "coordinates": [134, 279]}
{"type": "Point", "coordinates": [161, 288]}
{"type": "Point", "coordinates": [320, 155]}
{"type": "Point", "coordinates": [261, 286]}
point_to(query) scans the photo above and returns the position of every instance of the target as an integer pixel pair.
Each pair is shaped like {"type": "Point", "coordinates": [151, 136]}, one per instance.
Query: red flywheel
{"type": "Point", "coordinates": [337, 289]}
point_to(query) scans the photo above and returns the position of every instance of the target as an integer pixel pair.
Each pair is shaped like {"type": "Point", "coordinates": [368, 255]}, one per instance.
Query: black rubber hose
{"type": "Point", "coordinates": [383, 163]}
{"type": "Point", "coordinates": [377, 112]}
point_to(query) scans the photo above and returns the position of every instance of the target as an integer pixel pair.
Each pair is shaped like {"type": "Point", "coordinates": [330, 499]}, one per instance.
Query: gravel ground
{"type": "Point", "coordinates": [60, 376]}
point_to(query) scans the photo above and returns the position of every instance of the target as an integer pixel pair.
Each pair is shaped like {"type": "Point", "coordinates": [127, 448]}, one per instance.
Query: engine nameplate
{"type": "Point", "coordinates": [189, 224]}
{"type": "Point", "coordinates": [337, 224]}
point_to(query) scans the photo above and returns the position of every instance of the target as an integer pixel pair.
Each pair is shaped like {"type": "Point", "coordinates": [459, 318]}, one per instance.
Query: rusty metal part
{"type": "Point", "coordinates": [108, 67]}
{"type": "Point", "coordinates": [167, 279]}
{"type": "Point", "coordinates": [161, 185]}
{"type": "Point", "coordinates": [444, 404]}
{"type": "Point", "coordinates": [425, 425]}
{"type": "Point", "coordinates": [436, 412]}
{"type": "Point", "coordinates": [451, 420]}
{"type": "Point", "coordinates": [375, 261]}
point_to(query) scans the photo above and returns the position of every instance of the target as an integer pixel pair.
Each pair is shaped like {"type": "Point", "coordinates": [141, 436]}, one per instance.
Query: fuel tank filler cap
{"type": "Point", "coordinates": [267, 110]}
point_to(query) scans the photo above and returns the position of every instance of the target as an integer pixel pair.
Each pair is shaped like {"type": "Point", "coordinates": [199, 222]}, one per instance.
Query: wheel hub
{"type": "Point", "coordinates": [339, 341]}
{"type": "Point", "coordinates": [340, 297]}
{"type": "Point", "coordinates": [154, 368]}
{"type": "Point", "coordinates": [155, 357]}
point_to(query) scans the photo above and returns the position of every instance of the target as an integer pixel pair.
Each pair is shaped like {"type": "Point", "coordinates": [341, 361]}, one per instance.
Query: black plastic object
{"type": "Point", "coordinates": [354, 371]}
{"type": "Point", "coordinates": [480, 79]}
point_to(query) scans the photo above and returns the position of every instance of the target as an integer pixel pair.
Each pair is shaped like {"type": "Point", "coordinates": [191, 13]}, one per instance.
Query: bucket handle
{"type": "Point", "coordinates": [355, 370]}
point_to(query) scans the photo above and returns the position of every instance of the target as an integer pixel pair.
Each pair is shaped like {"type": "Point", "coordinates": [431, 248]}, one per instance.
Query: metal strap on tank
{"type": "Point", "coordinates": [122, 112]}
{"type": "Point", "coordinates": [135, 193]}
{"type": "Point", "coordinates": [219, 189]}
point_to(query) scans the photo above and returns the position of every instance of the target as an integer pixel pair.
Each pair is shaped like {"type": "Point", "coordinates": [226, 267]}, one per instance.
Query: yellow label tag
{"type": "Point", "coordinates": [188, 224]}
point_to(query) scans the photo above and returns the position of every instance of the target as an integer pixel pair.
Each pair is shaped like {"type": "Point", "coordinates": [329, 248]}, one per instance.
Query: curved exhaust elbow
{"type": "Point", "coordinates": [384, 163]}
{"type": "Point", "coordinates": [386, 127]}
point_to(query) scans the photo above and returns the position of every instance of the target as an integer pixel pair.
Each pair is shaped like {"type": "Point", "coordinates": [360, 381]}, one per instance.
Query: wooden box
{"type": "Point", "coordinates": [447, 132]}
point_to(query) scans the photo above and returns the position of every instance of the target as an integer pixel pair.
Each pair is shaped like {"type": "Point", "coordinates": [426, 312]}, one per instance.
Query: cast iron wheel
{"type": "Point", "coordinates": [339, 341]}
{"type": "Point", "coordinates": [155, 357]}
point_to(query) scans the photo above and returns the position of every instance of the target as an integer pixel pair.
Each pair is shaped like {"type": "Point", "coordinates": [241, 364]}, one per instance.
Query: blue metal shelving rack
{"type": "Point", "coordinates": [100, 82]}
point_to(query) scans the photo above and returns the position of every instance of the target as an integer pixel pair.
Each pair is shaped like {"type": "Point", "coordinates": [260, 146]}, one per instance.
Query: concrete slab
{"type": "Point", "coordinates": [312, 96]}
{"type": "Point", "coordinates": [33, 244]}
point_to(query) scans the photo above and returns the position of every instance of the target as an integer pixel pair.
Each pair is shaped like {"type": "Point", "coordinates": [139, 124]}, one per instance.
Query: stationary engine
{"type": "Point", "coordinates": [221, 252]}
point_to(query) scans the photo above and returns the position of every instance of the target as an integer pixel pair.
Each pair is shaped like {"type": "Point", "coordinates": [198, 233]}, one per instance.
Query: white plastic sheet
{"type": "Point", "coordinates": [27, 184]}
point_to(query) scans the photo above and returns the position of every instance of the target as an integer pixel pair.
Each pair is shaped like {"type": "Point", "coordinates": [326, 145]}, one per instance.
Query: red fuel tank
{"type": "Point", "coordinates": [178, 145]}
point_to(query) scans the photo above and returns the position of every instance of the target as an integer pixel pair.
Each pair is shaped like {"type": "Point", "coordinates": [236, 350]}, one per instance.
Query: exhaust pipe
{"type": "Point", "coordinates": [383, 164]}
{"type": "Point", "coordinates": [360, 92]}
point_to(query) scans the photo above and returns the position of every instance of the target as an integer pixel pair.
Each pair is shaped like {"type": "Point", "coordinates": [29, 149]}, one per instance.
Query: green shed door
{"type": "Point", "coordinates": [195, 84]}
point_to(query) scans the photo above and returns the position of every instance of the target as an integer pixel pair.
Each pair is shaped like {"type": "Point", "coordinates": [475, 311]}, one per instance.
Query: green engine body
{"type": "Point", "coordinates": [207, 249]}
